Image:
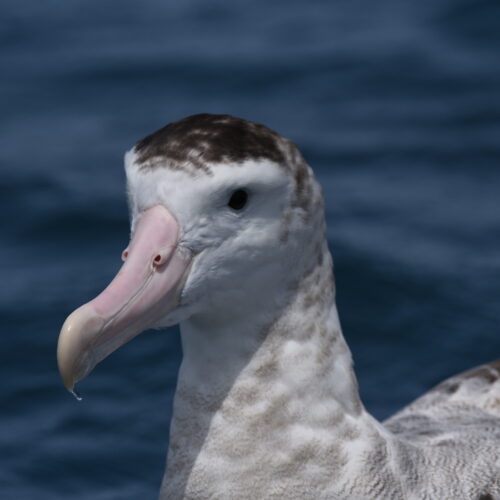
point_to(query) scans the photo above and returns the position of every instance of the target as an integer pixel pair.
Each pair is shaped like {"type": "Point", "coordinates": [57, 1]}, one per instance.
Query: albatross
{"type": "Point", "coordinates": [228, 240]}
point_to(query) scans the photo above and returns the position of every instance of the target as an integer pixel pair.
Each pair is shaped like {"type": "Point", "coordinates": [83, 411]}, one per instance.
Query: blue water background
{"type": "Point", "coordinates": [395, 104]}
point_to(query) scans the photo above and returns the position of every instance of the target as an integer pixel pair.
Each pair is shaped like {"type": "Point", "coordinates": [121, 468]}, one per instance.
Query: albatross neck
{"type": "Point", "coordinates": [295, 346]}
{"type": "Point", "coordinates": [285, 385]}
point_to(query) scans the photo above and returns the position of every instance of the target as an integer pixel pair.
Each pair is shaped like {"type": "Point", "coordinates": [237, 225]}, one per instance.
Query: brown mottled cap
{"type": "Point", "coordinates": [198, 142]}
{"type": "Point", "coordinates": [207, 138]}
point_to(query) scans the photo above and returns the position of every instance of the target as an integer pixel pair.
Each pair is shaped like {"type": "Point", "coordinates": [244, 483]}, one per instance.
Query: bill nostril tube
{"type": "Point", "coordinates": [161, 257]}
{"type": "Point", "coordinates": [125, 254]}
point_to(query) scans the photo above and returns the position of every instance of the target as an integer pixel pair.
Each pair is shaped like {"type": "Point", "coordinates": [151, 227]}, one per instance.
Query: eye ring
{"type": "Point", "coordinates": [238, 199]}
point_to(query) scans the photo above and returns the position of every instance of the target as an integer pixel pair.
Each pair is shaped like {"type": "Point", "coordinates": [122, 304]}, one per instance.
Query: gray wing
{"type": "Point", "coordinates": [449, 439]}
{"type": "Point", "coordinates": [470, 399]}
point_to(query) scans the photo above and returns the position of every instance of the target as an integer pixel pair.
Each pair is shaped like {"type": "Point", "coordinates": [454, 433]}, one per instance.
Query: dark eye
{"type": "Point", "coordinates": [238, 199]}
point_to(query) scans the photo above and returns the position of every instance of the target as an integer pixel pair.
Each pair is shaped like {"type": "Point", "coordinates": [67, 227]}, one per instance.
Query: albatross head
{"type": "Point", "coordinates": [225, 218]}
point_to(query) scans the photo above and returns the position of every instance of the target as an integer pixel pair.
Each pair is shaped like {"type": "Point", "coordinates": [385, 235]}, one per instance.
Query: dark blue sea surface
{"type": "Point", "coordinates": [395, 104]}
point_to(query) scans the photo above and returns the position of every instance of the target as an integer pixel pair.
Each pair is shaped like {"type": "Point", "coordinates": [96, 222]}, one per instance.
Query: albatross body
{"type": "Point", "coordinates": [228, 239]}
